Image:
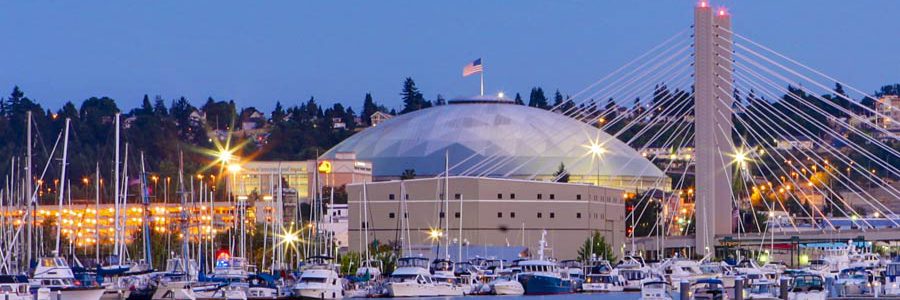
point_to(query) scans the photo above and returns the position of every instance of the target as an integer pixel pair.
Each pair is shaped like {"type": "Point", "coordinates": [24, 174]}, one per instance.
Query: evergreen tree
{"type": "Point", "coordinates": [518, 99]}
{"type": "Point", "coordinates": [278, 113]}
{"type": "Point", "coordinates": [369, 108]}
{"type": "Point", "coordinates": [440, 100]}
{"type": "Point", "coordinates": [537, 98]}
{"type": "Point", "coordinates": [412, 97]}
{"type": "Point", "coordinates": [561, 174]}
{"type": "Point", "coordinates": [159, 107]}
{"type": "Point", "coordinates": [557, 99]}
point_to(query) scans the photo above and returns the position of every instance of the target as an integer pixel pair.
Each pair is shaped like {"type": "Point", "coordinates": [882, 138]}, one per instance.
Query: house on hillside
{"type": "Point", "coordinates": [379, 117]}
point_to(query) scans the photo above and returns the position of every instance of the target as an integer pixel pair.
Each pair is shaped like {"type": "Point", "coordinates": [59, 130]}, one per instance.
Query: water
{"type": "Point", "coordinates": [578, 296]}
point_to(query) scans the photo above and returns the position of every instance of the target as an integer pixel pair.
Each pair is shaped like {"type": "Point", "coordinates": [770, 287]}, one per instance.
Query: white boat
{"type": "Point", "coordinates": [575, 269]}
{"type": "Point", "coordinates": [807, 287]}
{"type": "Point", "coordinates": [609, 282]}
{"type": "Point", "coordinates": [370, 269]}
{"type": "Point", "coordinates": [506, 283]}
{"type": "Point", "coordinates": [412, 279]}
{"type": "Point", "coordinates": [852, 282]}
{"type": "Point", "coordinates": [15, 287]}
{"type": "Point", "coordinates": [678, 269]}
{"type": "Point", "coordinates": [721, 271]}
{"type": "Point", "coordinates": [762, 289]}
{"type": "Point", "coordinates": [319, 280]}
{"type": "Point", "coordinates": [708, 289]}
{"type": "Point", "coordinates": [55, 274]}
{"type": "Point", "coordinates": [656, 290]}
{"type": "Point", "coordinates": [634, 271]}
{"type": "Point", "coordinates": [174, 290]}
{"type": "Point", "coordinates": [892, 279]}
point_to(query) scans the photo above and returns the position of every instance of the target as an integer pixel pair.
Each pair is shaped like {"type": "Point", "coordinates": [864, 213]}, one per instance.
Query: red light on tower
{"type": "Point", "coordinates": [722, 12]}
{"type": "Point", "coordinates": [703, 4]}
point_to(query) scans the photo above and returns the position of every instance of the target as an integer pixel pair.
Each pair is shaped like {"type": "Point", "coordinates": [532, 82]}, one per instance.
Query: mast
{"type": "Point", "coordinates": [116, 188]}
{"type": "Point", "coordinates": [62, 182]}
{"type": "Point", "coordinates": [97, 212]}
{"type": "Point", "coordinates": [148, 257]}
{"type": "Point", "coordinates": [28, 191]}
{"type": "Point", "coordinates": [184, 245]}
{"type": "Point", "coordinates": [447, 203]}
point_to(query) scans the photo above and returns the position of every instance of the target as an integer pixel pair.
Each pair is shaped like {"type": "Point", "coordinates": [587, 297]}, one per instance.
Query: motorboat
{"type": "Point", "coordinates": [721, 271]}
{"type": "Point", "coordinates": [891, 276]}
{"type": "Point", "coordinates": [15, 287]}
{"type": "Point", "coordinates": [762, 289]}
{"type": "Point", "coordinates": [708, 289]}
{"type": "Point", "coordinates": [412, 279]}
{"type": "Point", "coordinates": [807, 287]}
{"type": "Point", "coordinates": [853, 282]}
{"type": "Point", "coordinates": [656, 290]}
{"type": "Point", "coordinates": [506, 283]}
{"type": "Point", "coordinates": [55, 274]}
{"type": "Point", "coordinates": [576, 272]}
{"type": "Point", "coordinates": [633, 269]}
{"type": "Point", "coordinates": [608, 282]}
{"type": "Point", "coordinates": [543, 277]}
{"type": "Point", "coordinates": [174, 290]}
{"type": "Point", "coordinates": [319, 280]}
{"type": "Point", "coordinates": [678, 269]}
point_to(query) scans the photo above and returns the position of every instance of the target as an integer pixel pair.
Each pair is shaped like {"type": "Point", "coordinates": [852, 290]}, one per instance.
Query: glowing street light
{"type": "Point", "coordinates": [225, 155]}
{"type": "Point", "coordinates": [234, 168]}
{"type": "Point", "coordinates": [435, 234]}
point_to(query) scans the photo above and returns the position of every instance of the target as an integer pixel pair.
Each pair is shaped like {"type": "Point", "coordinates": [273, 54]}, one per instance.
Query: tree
{"type": "Point", "coordinates": [408, 174]}
{"type": "Point", "coordinates": [440, 100]}
{"type": "Point", "coordinates": [537, 98]}
{"type": "Point", "coordinates": [601, 249]}
{"type": "Point", "coordinates": [412, 97]}
{"type": "Point", "coordinates": [519, 99]}
{"type": "Point", "coordinates": [561, 175]}
{"type": "Point", "coordinates": [369, 108]}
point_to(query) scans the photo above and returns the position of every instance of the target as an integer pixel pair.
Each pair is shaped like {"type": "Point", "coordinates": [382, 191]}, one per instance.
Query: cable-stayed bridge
{"type": "Point", "coordinates": [757, 146]}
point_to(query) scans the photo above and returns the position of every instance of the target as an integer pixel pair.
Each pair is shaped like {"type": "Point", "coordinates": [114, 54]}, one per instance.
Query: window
{"type": "Point", "coordinates": [578, 215]}
{"type": "Point", "coordinates": [457, 215]}
{"type": "Point", "coordinates": [578, 197]}
{"type": "Point", "coordinates": [407, 196]}
{"type": "Point", "coordinates": [499, 196]}
{"type": "Point", "coordinates": [391, 215]}
{"type": "Point", "coordinates": [512, 215]}
{"type": "Point", "coordinates": [364, 225]}
{"type": "Point", "coordinates": [442, 215]}
{"type": "Point", "coordinates": [512, 196]}
{"type": "Point", "coordinates": [457, 196]}
{"type": "Point", "coordinates": [540, 196]}
{"type": "Point", "coordinates": [552, 196]}
{"type": "Point", "coordinates": [540, 215]}
{"type": "Point", "coordinates": [499, 215]}
{"type": "Point", "coordinates": [406, 215]}
{"type": "Point", "coordinates": [552, 215]}
{"type": "Point", "coordinates": [391, 197]}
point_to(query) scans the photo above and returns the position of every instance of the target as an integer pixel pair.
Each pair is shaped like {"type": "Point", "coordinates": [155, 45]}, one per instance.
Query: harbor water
{"type": "Point", "coordinates": [576, 296]}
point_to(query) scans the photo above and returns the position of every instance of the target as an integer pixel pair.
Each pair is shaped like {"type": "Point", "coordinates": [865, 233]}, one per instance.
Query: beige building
{"type": "Point", "coordinates": [257, 182]}
{"type": "Point", "coordinates": [888, 108]}
{"type": "Point", "coordinates": [495, 212]}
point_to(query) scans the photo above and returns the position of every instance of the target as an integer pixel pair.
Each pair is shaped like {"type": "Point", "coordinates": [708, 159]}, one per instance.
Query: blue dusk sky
{"type": "Point", "coordinates": [257, 52]}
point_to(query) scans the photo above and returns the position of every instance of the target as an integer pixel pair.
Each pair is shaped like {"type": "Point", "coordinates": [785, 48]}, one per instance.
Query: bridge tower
{"type": "Point", "coordinates": [713, 99]}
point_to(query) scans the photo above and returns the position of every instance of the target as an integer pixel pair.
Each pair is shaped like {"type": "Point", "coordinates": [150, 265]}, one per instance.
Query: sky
{"type": "Point", "coordinates": [257, 53]}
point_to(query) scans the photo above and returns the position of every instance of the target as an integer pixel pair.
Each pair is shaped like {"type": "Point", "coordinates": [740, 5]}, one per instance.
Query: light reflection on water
{"type": "Point", "coordinates": [581, 296]}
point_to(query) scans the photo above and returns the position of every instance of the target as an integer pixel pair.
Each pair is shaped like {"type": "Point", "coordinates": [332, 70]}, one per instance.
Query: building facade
{"type": "Point", "coordinates": [485, 212]}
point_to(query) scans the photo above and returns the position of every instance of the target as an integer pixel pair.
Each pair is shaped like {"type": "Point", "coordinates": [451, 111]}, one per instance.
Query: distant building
{"type": "Point", "coordinates": [888, 117]}
{"type": "Point", "coordinates": [795, 143]}
{"type": "Point", "coordinates": [493, 212]}
{"type": "Point", "coordinates": [379, 117]}
{"type": "Point", "coordinates": [337, 220]}
{"type": "Point", "coordinates": [258, 182]}
{"type": "Point", "coordinates": [338, 123]}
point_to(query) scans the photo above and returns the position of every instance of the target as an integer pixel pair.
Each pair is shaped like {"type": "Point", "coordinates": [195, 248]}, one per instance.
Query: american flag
{"type": "Point", "coordinates": [472, 68]}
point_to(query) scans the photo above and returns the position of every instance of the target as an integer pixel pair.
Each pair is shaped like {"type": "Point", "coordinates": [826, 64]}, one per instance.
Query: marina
{"type": "Point", "coordinates": [715, 168]}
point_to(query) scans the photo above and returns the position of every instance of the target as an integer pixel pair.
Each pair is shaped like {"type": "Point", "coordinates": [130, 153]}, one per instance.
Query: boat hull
{"type": "Point", "coordinates": [509, 288]}
{"type": "Point", "coordinates": [412, 289]}
{"type": "Point", "coordinates": [78, 293]}
{"type": "Point", "coordinates": [545, 285]}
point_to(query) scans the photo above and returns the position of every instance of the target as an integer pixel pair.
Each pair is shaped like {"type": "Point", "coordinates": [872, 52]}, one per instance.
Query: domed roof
{"type": "Point", "coordinates": [492, 137]}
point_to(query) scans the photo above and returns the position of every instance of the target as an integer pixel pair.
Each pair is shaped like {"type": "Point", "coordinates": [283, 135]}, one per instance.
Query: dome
{"type": "Point", "coordinates": [497, 138]}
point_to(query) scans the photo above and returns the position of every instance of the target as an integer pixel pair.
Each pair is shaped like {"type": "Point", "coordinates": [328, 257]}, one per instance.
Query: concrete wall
{"type": "Point", "coordinates": [494, 212]}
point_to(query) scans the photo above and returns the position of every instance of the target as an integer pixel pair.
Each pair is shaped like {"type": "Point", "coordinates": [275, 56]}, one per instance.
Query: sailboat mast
{"type": "Point", "coordinates": [447, 203]}
{"type": "Point", "coordinates": [97, 212]}
{"type": "Point", "coordinates": [116, 188]}
{"type": "Point", "coordinates": [148, 257]}
{"type": "Point", "coordinates": [62, 180]}
{"type": "Point", "coordinates": [28, 190]}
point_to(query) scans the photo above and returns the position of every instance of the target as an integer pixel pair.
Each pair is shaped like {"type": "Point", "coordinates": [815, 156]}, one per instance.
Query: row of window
{"type": "Point", "coordinates": [512, 215]}
{"type": "Point", "coordinates": [512, 196]}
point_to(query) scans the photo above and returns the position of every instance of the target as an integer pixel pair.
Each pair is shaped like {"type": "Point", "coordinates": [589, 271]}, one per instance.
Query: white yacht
{"type": "Point", "coordinates": [575, 269]}
{"type": "Point", "coordinates": [319, 280]}
{"type": "Point", "coordinates": [174, 290]}
{"type": "Point", "coordinates": [15, 287]}
{"type": "Point", "coordinates": [506, 283]}
{"type": "Point", "coordinates": [609, 282]}
{"type": "Point", "coordinates": [412, 279]}
{"type": "Point", "coordinates": [708, 289]}
{"type": "Point", "coordinates": [892, 279]}
{"type": "Point", "coordinates": [634, 271]}
{"type": "Point", "coordinates": [852, 282]}
{"type": "Point", "coordinates": [762, 289]}
{"type": "Point", "coordinates": [55, 274]}
{"type": "Point", "coordinates": [807, 287]}
{"type": "Point", "coordinates": [656, 290]}
{"type": "Point", "coordinates": [677, 270]}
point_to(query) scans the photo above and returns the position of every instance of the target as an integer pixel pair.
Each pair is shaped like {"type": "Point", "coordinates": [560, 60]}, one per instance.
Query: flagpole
{"type": "Point", "coordinates": [481, 74]}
